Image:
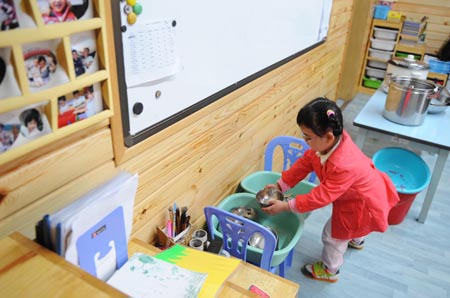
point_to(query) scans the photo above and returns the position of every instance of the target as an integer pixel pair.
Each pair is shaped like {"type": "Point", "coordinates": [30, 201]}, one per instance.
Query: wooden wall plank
{"type": "Point", "coordinates": [34, 180]}
{"type": "Point", "coordinates": [24, 220]}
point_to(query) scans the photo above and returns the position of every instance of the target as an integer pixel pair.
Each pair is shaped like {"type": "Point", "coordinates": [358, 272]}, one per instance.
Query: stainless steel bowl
{"type": "Point", "coordinates": [246, 212]}
{"type": "Point", "coordinates": [263, 196]}
{"type": "Point", "coordinates": [441, 102]}
{"type": "Point", "coordinates": [257, 240]}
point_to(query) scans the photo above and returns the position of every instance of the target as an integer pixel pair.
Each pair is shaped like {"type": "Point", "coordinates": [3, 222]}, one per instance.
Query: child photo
{"type": "Point", "coordinates": [58, 11]}
{"type": "Point", "coordinates": [84, 52]}
{"type": "Point", "coordinates": [21, 126]}
{"type": "Point", "coordinates": [80, 104]}
{"type": "Point", "coordinates": [8, 15]}
{"type": "Point", "coordinates": [42, 65]}
{"type": "Point", "coordinates": [8, 82]}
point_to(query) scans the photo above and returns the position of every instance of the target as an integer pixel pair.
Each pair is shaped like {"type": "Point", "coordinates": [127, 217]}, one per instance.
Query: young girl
{"type": "Point", "coordinates": [361, 195]}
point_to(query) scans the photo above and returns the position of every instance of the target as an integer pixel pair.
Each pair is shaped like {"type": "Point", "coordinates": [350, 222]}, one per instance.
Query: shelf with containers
{"type": "Point", "coordinates": [381, 46]}
{"type": "Point", "coordinates": [54, 74]}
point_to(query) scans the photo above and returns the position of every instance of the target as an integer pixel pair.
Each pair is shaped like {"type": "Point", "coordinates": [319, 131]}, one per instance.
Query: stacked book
{"type": "Point", "coordinates": [413, 32]}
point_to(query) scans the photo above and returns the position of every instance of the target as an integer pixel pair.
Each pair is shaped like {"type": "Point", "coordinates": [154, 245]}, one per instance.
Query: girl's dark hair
{"type": "Point", "coordinates": [33, 114]}
{"type": "Point", "coordinates": [321, 115]}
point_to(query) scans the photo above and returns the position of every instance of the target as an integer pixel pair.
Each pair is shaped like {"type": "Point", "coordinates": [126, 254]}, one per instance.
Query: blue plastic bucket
{"type": "Point", "coordinates": [409, 173]}
{"type": "Point", "coordinates": [407, 170]}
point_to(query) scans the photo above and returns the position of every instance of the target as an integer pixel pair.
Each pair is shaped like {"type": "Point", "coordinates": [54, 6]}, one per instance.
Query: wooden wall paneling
{"type": "Point", "coordinates": [32, 181]}
{"type": "Point", "coordinates": [355, 48]}
{"type": "Point", "coordinates": [24, 219]}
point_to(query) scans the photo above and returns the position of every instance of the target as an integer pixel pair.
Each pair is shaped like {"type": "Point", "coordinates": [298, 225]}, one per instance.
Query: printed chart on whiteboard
{"type": "Point", "coordinates": [150, 52]}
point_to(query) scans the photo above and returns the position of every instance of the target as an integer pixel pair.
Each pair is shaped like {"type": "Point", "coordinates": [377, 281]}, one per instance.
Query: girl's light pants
{"type": "Point", "coordinates": [334, 249]}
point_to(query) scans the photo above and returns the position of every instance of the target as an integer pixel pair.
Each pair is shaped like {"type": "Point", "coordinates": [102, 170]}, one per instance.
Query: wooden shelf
{"type": "Point", "coordinates": [57, 40]}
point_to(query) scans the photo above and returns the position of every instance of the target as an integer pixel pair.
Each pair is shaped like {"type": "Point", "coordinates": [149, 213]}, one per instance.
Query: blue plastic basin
{"type": "Point", "coordinates": [407, 170]}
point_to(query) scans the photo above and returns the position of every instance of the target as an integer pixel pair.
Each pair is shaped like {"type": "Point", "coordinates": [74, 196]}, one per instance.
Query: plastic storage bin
{"type": "Point", "coordinates": [377, 64]}
{"type": "Point", "coordinates": [371, 83]}
{"type": "Point", "coordinates": [288, 225]}
{"type": "Point", "coordinates": [375, 73]}
{"type": "Point", "coordinates": [389, 34]}
{"type": "Point", "coordinates": [408, 172]}
{"type": "Point", "coordinates": [382, 44]}
{"type": "Point", "coordinates": [439, 66]}
{"type": "Point", "coordinates": [385, 55]}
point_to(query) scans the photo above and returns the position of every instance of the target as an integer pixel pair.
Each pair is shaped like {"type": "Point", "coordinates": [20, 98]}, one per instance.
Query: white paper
{"type": "Point", "coordinates": [149, 52]}
{"type": "Point", "coordinates": [143, 276]}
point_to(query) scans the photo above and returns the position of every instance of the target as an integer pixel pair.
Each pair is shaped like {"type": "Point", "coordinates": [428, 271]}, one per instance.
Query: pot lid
{"type": "Point", "coordinates": [409, 62]}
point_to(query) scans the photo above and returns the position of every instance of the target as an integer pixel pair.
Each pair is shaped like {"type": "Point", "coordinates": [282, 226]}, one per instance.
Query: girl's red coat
{"type": "Point", "coordinates": [362, 196]}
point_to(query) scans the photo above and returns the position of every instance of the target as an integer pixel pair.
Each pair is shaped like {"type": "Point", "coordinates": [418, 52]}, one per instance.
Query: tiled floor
{"type": "Point", "coordinates": [408, 260]}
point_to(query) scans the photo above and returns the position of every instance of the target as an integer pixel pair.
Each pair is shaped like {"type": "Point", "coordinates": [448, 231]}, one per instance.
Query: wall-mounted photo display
{"type": "Point", "coordinates": [42, 65]}
{"type": "Point", "coordinates": [12, 16]}
{"type": "Point", "coordinates": [80, 104]}
{"type": "Point", "coordinates": [84, 52]}
{"type": "Point", "coordinates": [58, 11]}
{"type": "Point", "coordinates": [8, 82]}
{"type": "Point", "coordinates": [21, 126]}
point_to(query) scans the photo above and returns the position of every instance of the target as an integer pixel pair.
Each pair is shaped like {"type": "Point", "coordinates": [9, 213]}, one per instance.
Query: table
{"type": "Point", "coordinates": [30, 270]}
{"type": "Point", "coordinates": [432, 135]}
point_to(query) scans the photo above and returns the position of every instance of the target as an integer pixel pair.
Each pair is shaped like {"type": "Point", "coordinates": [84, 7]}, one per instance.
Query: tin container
{"type": "Point", "coordinates": [408, 100]}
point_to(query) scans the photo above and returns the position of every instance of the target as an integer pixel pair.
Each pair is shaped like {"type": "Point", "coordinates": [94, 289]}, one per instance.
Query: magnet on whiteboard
{"type": "Point", "coordinates": [123, 28]}
{"type": "Point", "coordinates": [131, 2]}
{"type": "Point", "coordinates": [137, 8]}
{"type": "Point", "coordinates": [158, 94]}
{"type": "Point", "coordinates": [131, 18]}
{"type": "Point", "coordinates": [138, 108]}
{"type": "Point", "coordinates": [128, 9]}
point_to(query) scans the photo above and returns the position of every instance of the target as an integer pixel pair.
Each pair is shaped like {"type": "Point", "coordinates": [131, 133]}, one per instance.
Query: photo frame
{"type": "Point", "coordinates": [42, 65]}
{"type": "Point", "coordinates": [23, 125]}
{"type": "Point", "coordinates": [8, 82]}
{"type": "Point", "coordinates": [80, 104]}
{"type": "Point", "coordinates": [13, 17]}
{"type": "Point", "coordinates": [84, 52]}
{"type": "Point", "coordinates": [60, 11]}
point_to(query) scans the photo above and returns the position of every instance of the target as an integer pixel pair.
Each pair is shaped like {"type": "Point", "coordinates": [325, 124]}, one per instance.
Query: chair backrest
{"type": "Point", "coordinates": [292, 147]}
{"type": "Point", "coordinates": [236, 233]}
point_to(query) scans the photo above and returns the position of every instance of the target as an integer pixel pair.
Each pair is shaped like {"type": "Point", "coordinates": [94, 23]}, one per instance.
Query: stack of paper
{"type": "Point", "coordinates": [93, 232]}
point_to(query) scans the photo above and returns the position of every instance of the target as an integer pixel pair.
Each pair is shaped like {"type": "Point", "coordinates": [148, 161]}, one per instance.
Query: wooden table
{"type": "Point", "coordinates": [242, 278]}
{"type": "Point", "coordinates": [30, 270]}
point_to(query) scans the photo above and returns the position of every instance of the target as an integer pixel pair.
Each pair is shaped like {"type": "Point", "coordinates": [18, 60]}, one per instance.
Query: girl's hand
{"type": "Point", "coordinates": [276, 206]}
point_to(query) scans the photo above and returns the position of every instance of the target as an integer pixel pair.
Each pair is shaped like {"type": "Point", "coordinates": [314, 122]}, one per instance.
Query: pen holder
{"type": "Point", "coordinates": [165, 241]}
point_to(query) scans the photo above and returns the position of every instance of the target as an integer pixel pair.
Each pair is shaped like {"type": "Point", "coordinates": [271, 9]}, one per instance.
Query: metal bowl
{"type": "Point", "coordinates": [263, 196]}
{"type": "Point", "coordinates": [441, 102]}
{"type": "Point", "coordinates": [436, 107]}
{"type": "Point", "coordinates": [257, 240]}
{"type": "Point", "coordinates": [246, 212]}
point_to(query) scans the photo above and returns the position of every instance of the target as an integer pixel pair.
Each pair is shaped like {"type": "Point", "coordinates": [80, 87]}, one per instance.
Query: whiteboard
{"type": "Point", "coordinates": [180, 56]}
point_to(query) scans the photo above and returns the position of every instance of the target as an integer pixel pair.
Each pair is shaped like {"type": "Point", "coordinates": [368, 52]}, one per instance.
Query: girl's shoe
{"type": "Point", "coordinates": [319, 271]}
{"type": "Point", "coordinates": [356, 245]}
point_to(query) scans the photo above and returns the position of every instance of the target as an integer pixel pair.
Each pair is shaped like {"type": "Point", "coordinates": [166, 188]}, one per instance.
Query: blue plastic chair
{"type": "Point", "coordinates": [293, 148]}
{"type": "Point", "coordinates": [237, 231]}
{"type": "Point", "coordinates": [290, 152]}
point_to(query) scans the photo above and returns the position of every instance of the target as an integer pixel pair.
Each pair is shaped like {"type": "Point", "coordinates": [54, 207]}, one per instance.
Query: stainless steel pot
{"type": "Point", "coordinates": [408, 99]}
{"type": "Point", "coordinates": [405, 67]}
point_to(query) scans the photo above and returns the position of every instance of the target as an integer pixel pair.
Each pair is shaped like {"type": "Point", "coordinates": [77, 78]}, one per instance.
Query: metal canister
{"type": "Point", "coordinates": [407, 100]}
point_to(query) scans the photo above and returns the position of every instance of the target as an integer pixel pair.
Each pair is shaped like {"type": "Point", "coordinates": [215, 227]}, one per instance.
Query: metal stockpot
{"type": "Point", "coordinates": [404, 67]}
{"type": "Point", "coordinates": [407, 100]}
